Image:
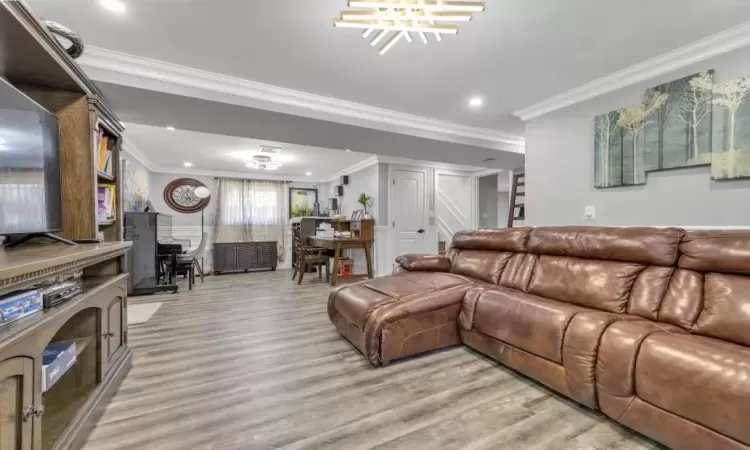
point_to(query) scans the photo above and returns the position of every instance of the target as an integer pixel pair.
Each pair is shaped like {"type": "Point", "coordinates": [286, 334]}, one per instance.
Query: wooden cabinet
{"type": "Point", "coordinates": [225, 257]}
{"type": "Point", "coordinates": [60, 416]}
{"type": "Point", "coordinates": [114, 335]}
{"type": "Point", "coordinates": [17, 412]}
{"type": "Point", "coordinates": [233, 256]}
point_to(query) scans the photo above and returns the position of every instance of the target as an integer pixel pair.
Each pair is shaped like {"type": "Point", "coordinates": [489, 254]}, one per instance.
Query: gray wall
{"type": "Point", "coordinates": [488, 202]}
{"type": "Point", "coordinates": [365, 180]}
{"type": "Point", "coordinates": [560, 169]}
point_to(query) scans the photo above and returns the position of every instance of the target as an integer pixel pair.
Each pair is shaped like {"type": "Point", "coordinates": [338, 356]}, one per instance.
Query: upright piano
{"type": "Point", "coordinates": [153, 242]}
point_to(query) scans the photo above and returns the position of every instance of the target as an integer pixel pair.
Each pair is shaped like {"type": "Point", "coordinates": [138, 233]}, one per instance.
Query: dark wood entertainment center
{"type": "Point", "coordinates": [95, 320]}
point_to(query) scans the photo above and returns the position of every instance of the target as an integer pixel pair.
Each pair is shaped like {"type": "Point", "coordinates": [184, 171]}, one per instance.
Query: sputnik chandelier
{"type": "Point", "coordinates": [394, 20]}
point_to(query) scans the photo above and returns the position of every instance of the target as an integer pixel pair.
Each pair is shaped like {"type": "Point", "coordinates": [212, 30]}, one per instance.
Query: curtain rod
{"type": "Point", "coordinates": [255, 179]}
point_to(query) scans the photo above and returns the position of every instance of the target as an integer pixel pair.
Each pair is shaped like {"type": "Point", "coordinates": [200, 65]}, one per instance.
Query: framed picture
{"type": "Point", "coordinates": [301, 201]}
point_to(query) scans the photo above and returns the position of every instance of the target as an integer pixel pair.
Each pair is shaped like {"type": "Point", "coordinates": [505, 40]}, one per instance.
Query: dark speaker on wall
{"type": "Point", "coordinates": [333, 204]}
{"type": "Point", "coordinates": [344, 180]}
{"type": "Point", "coordinates": [339, 191]}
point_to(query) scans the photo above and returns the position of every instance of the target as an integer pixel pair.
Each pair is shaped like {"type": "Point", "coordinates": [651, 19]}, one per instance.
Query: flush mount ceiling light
{"type": "Point", "coordinates": [262, 162]}
{"type": "Point", "coordinates": [476, 102]}
{"type": "Point", "coordinates": [113, 5]}
{"type": "Point", "coordinates": [400, 18]}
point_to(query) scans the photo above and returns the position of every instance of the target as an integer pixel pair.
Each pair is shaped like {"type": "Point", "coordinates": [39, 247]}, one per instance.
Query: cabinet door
{"type": "Point", "coordinates": [115, 329]}
{"type": "Point", "coordinates": [247, 255]}
{"type": "Point", "coordinates": [267, 255]}
{"type": "Point", "coordinates": [225, 257]}
{"type": "Point", "coordinates": [16, 396]}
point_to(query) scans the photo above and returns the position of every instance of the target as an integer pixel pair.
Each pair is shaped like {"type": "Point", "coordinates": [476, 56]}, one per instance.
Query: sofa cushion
{"type": "Point", "coordinates": [416, 282]}
{"type": "Point", "coordinates": [498, 240]}
{"type": "Point", "coordinates": [603, 285]}
{"type": "Point", "coordinates": [649, 246]}
{"type": "Point", "coordinates": [701, 379]}
{"type": "Point", "coordinates": [356, 302]}
{"type": "Point", "coordinates": [648, 291]}
{"type": "Point", "coordinates": [683, 300]}
{"type": "Point", "coordinates": [481, 264]}
{"type": "Point", "coordinates": [726, 308]}
{"type": "Point", "coordinates": [533, 324]}
{"type": "Point", "coordinates": [716, 251]}
{"type": "Point", "coordinates": [517, 271]}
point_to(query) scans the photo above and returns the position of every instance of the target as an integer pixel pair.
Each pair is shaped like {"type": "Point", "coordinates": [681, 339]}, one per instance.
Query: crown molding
{"type": "Point", "coordinates": [375, 159]}
{"type": "Point", "coordinates": [98, 60]}
{"type": "Point", "coordinates": [239, 175]}
{"type": "Point", "coordinates": [130, 148]}
{"type": "Point", "coordinates": [714, 45]}
{"type": "Point", "coordinates": [372, 160]}
{"type": "Point", "coordinates": [429, 164]}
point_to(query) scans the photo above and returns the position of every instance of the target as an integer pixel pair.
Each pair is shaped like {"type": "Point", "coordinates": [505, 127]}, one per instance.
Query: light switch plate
{"type": "Point", "coordinates": [589, 213]}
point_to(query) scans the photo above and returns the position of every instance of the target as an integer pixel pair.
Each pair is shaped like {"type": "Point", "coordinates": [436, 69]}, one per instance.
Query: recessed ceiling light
{"type": "Point", "coordinates": [348, 150]}
{"type": "Point", "coordinates": [308, 173]}
{"type": "Point", "coordinates": [170, 128]}
{"type": "Point", "coordinates": [188, 164]}
{"type": "Point", "coordinates": [113, 5]}
{"type": "Point", "coordinates": [476, 102]}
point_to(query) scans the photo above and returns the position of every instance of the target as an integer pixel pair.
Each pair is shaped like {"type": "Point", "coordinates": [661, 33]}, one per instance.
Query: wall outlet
{"type": "Point", "coordinates": [589, 213]}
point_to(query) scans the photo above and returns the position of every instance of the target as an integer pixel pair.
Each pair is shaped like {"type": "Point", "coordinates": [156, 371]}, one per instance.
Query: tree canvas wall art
{"type": "Point", "coordinates": [678, 133]}
{"type": "Point", "coordinates": [731, 144]}
{"type": "Point", "coordinates": [671, 128]}
{"type": "Point", "coordinates": [619, 143]}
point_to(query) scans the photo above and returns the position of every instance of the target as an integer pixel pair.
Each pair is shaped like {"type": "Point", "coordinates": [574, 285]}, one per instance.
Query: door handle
{"type": "Point", "coordinates": [420, 231]}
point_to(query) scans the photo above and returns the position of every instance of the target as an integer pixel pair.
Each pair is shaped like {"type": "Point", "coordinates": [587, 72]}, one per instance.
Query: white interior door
{"type": "Point", "coordinates": [408, 211]}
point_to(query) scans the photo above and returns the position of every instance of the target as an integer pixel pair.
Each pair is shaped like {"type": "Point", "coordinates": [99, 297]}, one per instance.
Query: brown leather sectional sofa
{"type": "Point", "coordinates": [651, 326]}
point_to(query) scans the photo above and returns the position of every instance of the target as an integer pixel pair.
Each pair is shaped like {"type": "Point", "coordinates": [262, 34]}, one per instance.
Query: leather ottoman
{"type": "Point", "coordinates": [394, 317]}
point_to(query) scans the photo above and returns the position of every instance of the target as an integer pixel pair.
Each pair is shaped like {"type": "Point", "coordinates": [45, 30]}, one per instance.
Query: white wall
{"type": "Point", "coordinates": [560, 169]}
{"type": "Point", "coordinates": [503, 207]}
{"type": "Point", "coordinates": [455, 201]}
{"type": "Point", "coordinates": [365, 180]}
{"type": "Point", "coordinates": [188, 226]}
{"type": "Point", "coordinates": [488, 202]}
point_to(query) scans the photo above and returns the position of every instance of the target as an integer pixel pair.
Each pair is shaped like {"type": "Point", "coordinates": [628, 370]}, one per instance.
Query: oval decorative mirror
{"type": "Point", "coordinates": [181, 196]}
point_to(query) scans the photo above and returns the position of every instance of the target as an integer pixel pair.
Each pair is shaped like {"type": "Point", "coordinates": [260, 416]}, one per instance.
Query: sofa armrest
{"type": "Point", "coordinates": [424, 263]}
{"type": "Point", "coordinates": [423, 317]}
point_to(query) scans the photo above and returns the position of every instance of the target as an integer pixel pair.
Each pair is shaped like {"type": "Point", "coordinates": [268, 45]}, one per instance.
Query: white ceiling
{"type": "Point", "coordinates": [215, 154]}
{"type": "Point", "coordinates": [514, 54]}
{"type": "Point", "coordinates": [223, 120]}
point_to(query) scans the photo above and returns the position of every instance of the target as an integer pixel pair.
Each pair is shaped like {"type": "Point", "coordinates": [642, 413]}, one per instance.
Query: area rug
{"type": "Point", "coordinates": [141, 313]}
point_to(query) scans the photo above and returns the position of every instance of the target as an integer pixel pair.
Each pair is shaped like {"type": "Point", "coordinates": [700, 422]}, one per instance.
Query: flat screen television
{"type": "Point", "coordinates": [30, 202]}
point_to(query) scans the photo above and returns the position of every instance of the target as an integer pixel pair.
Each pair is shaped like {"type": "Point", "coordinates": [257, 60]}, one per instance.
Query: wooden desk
{"type": "Point", "coordinates": [339, 244]}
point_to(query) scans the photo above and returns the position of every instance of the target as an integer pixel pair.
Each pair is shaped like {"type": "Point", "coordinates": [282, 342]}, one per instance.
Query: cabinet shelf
{"type": "Point", "coordinates": [60, 407]}
{"type": "Point", "coordinates": [81, 343]}
{"type": "Point", "coordinates": [105, 176]}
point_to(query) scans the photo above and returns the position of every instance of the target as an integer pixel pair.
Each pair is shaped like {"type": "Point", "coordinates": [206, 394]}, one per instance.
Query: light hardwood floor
{"type": "Point", "coordinates": [251, 362]}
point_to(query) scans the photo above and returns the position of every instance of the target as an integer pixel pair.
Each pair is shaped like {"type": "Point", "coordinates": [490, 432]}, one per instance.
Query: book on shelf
{"type": "Point", "coordinates": [104, 157]}
{"type": "Point", "coordinates": [105, 201]}
{"type": "Point", "coordinates": [57, 358]}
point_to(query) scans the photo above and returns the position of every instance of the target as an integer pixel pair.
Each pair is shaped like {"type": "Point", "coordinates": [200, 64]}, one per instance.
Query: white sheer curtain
{"type": "Point", "coordinates": [250, 210]}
